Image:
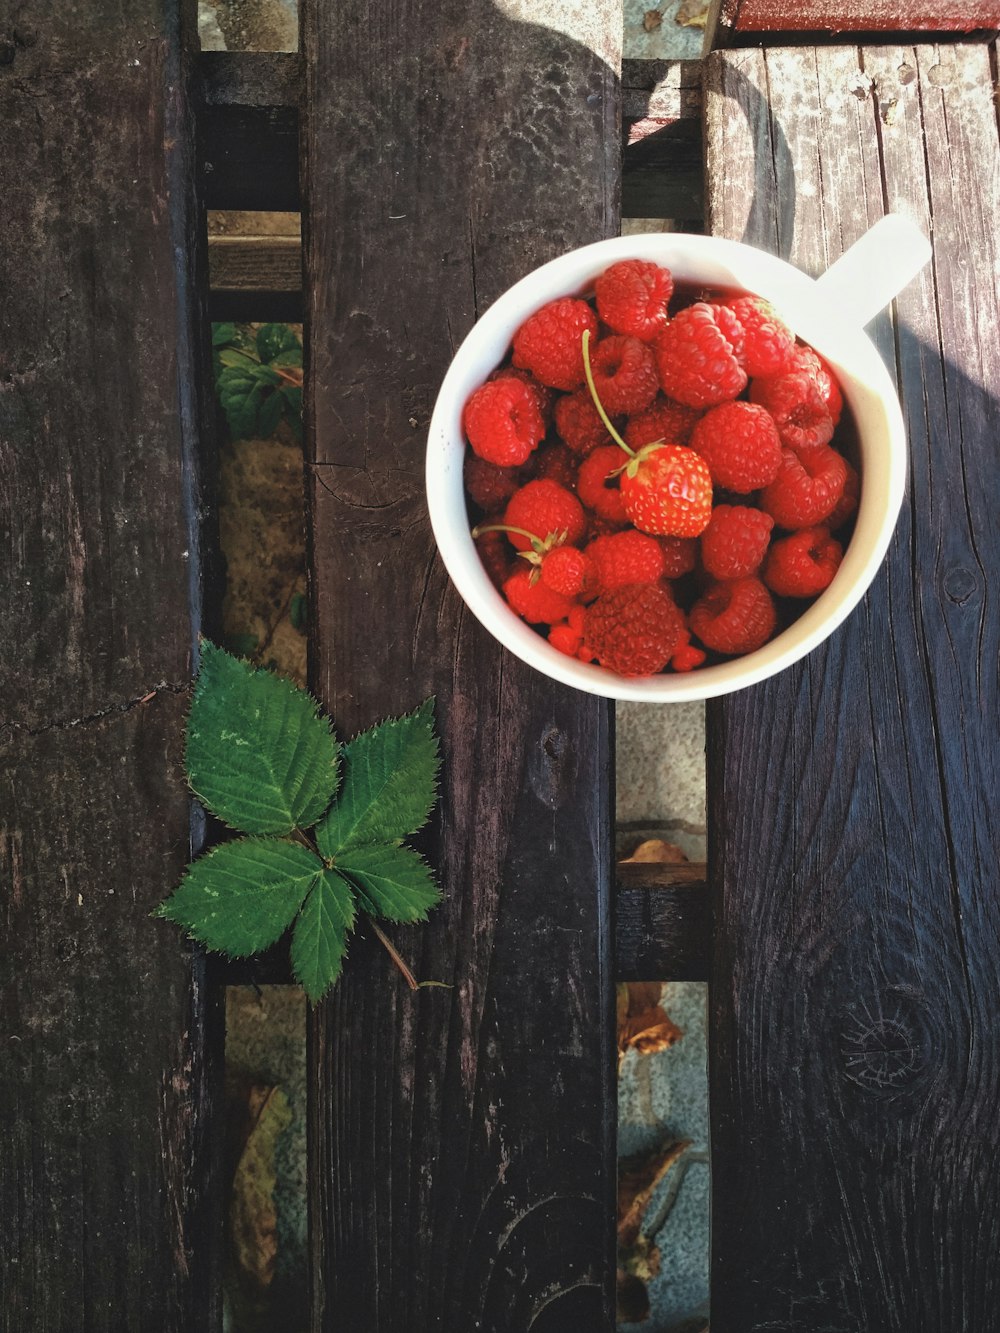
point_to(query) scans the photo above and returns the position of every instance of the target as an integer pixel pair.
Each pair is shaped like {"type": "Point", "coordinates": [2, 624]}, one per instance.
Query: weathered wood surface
{"type": "Point", "coordinates": [729, 19]}
{"type": "Point", "coordinates": [105, 1096]}
{"type": "Point", "coordinates": [663, 928]}
{"type": "Point", "coordinates": [463, 1139]}
{"type": "Point", "coordinates": [852, 800]}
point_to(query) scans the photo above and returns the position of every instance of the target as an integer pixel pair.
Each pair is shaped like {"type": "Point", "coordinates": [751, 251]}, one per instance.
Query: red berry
{"type": "Point", "coordinates": [534, 601]}
{"type": "Point", "coordinates": [632, 297]}
{"type": "Point", "coordinates": [549, 342]}
{"type": "Point", "coordinates": [680, 555]}
{"type": "Point", "coordinates": [740, 444]}
{"type": "Point", "coordinates": [685, 656]}
{"type": "Point", "coordinates": [544, 396]}
{"type": "Point", "coordinates": [731, 327]}
{"type": "Point", "coordinates": [494, 552]}
{"type": "Point", "coordinates": [807, 488]}
{"type": "Point", "coordinates": [633, 630]}
{"type": "Point", "coordinates": [489, 486]}
{"type": "Point", "coordinates": [848, 503]}
{"type": "Point", "coordinates": [668, 492]}
{"type": "Point", "coordinates": [810, 361]}
{"type": "Point", "coordinates": [554, 462]}
{"type": "Point", "coordinates": [768, 343]}
{"type": "Point", "coordinates": [566, 570]}
{"type": "Point", "coordinates": [735, 542]}
{"type": "Point", "coordinates": [626, 557]}
{"type": "Point", "coordinates": [544, 508]}
{"type": "Point", "coordinates": [624, 372]}
{"type": "Point", "coordinates": [697, 362]}
{"type": "Point", "coordinates": [578, 422]}
{"type": "Point", "coordinates": [566, 639]}
{"type": "Point", "coordinates": [503, 422]}
{"type": "Point", "coordinates": [597, 483]}
{"type": "Point", "coordinates": [798, 407]}
{"type": "Point", "coordinates": [803, 564]}
{"type": "Point", "coordinates": [664, 420]}
{"type": "Point", "coordinates": [733, 618]}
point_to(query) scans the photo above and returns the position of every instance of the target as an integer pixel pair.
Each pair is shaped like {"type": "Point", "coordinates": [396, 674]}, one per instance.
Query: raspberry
{"type": "Point", "coordinates": [735, 541]}
{"type": "Point", "coordinates": [543, 395]}
{"type": "Point", "coordinates": [697, 363]}
{"type": "Point", "coordinates": [768, 343]}
{"type": "Point", "coordinates": [489, 486]}
{"type": "Point", "coordinates": [736, 617]}
{"type": "Point", "coordinates": [805, 359]}
{"type": "Point", "coordinates": [732, 329]}
{"type": "Point", "coordinates": [566, 570]}
{"type": "Point", "coordinates": [632, 297]}
{"type": "Point", "coordinates": [798, 407]}
{"type": "Point", "coordinates": [548, 343]}
{"type": "Point", "coordinates": [847, 505]}
{"type": "Point", "coordinates": [578, 422]}
{"type": "Point", "coordinates": [503, 422]}
{"type": "Point", "coordinates": [625, 377]}
{"type": "Point", "coordinates": [542, 508]}
{"type": "Point", "coordinates": [535, 602]}
{"type": "Point", "coordinates": [680, 555]}
{"type": "Point", "coordinates": [685, 656]}
{"type": "Point", "coordinates": [803, 564]}
{"type": "Point", "coordinates": [624, 558]}
{"type": "Point", "coordinates": [740, 444]}
{"type": "Point", "coordinates": [668, 491]}
{"type": "Point", "coordinates": [597, 486]}
{"type": "Point", "coordinates": [554, 462]}
{"type": "Point", "coordinates": [494, 552]}
{"type": "Point", "coordinates": [670, 422]}
{"type": "Point", "coordinates": [807, 488]}
{"type": "Point", "coordinates": [633, 630]}
{"type": "Point", "coordinates": [566, 639]}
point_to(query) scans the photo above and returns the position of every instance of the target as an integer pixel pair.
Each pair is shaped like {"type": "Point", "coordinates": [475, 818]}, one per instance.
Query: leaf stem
{"type": "Point", "coordinates": [597, 402]}
{"type": "Point", "coordinates": [395, 955]}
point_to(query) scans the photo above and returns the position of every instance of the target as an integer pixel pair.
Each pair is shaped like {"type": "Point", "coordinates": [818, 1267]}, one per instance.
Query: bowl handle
{"type": "Point", "coordinates": [875, 269]}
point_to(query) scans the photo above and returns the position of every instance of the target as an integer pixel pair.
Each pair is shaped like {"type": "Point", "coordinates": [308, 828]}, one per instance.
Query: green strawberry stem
{"type": "Point", "coordinates": [536, 542]}
{"type": "Point", "coordinates": [597, 402]}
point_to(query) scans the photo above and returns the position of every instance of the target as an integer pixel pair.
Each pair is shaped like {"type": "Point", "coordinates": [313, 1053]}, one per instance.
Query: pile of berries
{"type": "Point", "coordinates": [658, 477]}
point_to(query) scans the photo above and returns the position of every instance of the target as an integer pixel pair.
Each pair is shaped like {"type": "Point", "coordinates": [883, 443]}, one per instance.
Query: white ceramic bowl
{"type": "Point", "coordinates": [828, 314]}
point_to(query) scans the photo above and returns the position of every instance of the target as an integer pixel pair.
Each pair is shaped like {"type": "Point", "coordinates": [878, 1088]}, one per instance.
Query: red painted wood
{"type": "Point", "coordinates": [874, 16]}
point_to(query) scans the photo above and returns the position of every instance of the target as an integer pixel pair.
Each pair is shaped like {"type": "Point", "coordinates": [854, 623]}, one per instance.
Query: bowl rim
{"type": "Point", "coordinates": [865, 382]}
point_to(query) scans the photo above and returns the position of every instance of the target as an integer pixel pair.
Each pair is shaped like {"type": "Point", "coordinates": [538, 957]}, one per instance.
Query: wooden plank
{"type": "Point", "coordinates": [106, 1170]}
{"type": "Point", "coordinates": [248, 157]}
{"type": "Point", "coordinates": [255, 263]}
{"type": "Point", "coordinates": [852, 799]}
{"type": "Point", "coordinates": [463, 1139]}
{"type": "Point", "coordinates": [663, 924]}
{"type": "Point", "coordinates": [729, 19]}
{"type": "Point", "coordinates": [251, 78]}
{"type": "Point", "coordinates": [662, 169]}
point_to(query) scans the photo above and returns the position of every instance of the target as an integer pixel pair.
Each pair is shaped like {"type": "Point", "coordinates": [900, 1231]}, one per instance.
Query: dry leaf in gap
{"type": "Point", "coordinates": [253, 1218]}
{"type": "Point", "coordinates": [643, 1024]}
{"type": "Point", "coordinates": [638, 1256]}
{"type": "Point", "coordinates": [652, 19]}
{"type": "Point", "coordinates": [656, 851]}
{"type": "Point", "coordinates": [693, 13]}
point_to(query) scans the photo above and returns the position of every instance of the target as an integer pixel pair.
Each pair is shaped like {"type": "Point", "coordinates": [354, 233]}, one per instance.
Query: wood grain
{"type": "Point", "coordinates": [463, 1139]}
{"type": "Point", "coordinates": [854, 830]}
{"type": "Point", "coordinates": [663, 923]}
{"type": "Point", "coordinates": [735, 17]}
{"type": "Point", "coordinates": [105, 1168]}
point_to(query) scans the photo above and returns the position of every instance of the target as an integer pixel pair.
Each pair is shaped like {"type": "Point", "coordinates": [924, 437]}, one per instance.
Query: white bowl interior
{"type": "Point", "coordinates": [707, 261]}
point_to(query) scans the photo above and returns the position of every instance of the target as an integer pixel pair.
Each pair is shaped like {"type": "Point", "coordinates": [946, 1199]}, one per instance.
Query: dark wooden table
{"type": "Point", "coordinates": [462, 1141]}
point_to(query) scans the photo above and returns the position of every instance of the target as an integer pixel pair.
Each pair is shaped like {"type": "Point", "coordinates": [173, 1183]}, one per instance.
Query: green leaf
{"type": "Point", "coordinates": [234, 359]}
{"type": "Point", "coordinates": [242, 645]}
{"type": "Point", "coordinates": [243, 391]}
{"type": "Point", "coordinates": [273, 339]}
{"type": "Point", "coordinates": [222, 334]}
{"type": "Point", "coordinates": [259, 755]}
{"type": "Point", "coordinates": [288, 358]}
{"type": "Point", "coordinates": [394, 882]}
{"type": "Point", "coordinates": [319, 941]}
{"type": "Point", "coordinates": [242, 896]}
{"type": "Point", "coordinates": [294, 395]}
{"type": "Point", "coordinates": [390, 784]}
{"type": "Point", "coordinates": [270, 415]}
{"type": "Point", "coordinates": [298, 612]}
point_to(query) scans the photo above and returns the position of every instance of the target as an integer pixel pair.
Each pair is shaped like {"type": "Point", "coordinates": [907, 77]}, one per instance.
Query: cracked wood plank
{"type": "Point", "coordinates": [463, 1167]}
{"type": "Point", "coordinates": [105, 1096]}
{"type": "Point", "coordinates": [855, 1049]}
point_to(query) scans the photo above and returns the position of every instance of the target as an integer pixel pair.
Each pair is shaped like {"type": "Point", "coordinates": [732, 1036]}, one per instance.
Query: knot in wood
{"type": "Point", "coordinates": [880, 1053]}
{"type": "Point", "coordinates": [959, 584]}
